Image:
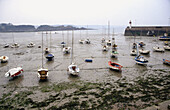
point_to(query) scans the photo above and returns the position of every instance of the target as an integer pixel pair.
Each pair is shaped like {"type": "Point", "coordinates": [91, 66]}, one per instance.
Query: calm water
{"type": "Point", "coordinates": [97, 71]}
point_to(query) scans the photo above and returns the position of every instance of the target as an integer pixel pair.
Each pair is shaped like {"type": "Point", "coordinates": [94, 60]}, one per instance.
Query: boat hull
{"type": "Point", "coordinates": [43, 74]}
{"type": "Point", "coordinates": [14, 72]}
{"type": "Point", "coordinates": [115, 66]}
{"type": "Point", "coordinates": [167, 62]}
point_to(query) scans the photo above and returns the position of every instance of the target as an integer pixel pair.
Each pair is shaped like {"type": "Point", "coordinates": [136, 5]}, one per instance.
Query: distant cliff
{"type": "Point", "coordinates": [30, 28]}
{"type": "Point", "coordinates": [147, 31]}
{"type": "Point", "coordinates": [16, 28]}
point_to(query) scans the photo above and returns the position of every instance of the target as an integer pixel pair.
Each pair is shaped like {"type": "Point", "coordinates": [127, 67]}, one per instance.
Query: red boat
{"type": "Point", "coordinates": [14, 72]}
{"type": "Point", "coordinates": [115, 66]}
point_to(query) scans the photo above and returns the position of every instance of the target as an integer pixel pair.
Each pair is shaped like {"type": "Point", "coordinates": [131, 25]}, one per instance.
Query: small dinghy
{"type": "Point", "coordinates": [105, 48]}
{"type": "Point", "coordinates": [115, 66]}
{"type": "Point", "coordinates": [81, 41]}
{"type": "Point", "coordinates": [73, 69]}
{"type": "Point", "coordinates": [167, 62]}
{"type": "Point", "coordinates": [109, 43]}
{"type": "Point", "coordinates": [141, 60]}
{"type": "Point", "coordinates": [87, 41]}
{"type": "Point", "coordinates": [47, 50]}
{"type": "Point", "coordinates": [66, 50]}
{"type": "Point", "coordinates": [14, 72]}
{"type": "Point", "coordinates": [42, 74]}
{"type": "Point", "coordinates": [15, 45]}
{"type": "Point", "coordinates": [30, 45]}
{"type": "Point", "coordinates": [133, 52]}
{"type": "Point", "coordinates": [103, 40]}
{"type": "Point", "coordinates": [158, 49]}
{"type": "Point", "coordinates": [88, 60]}
{"type": "Point", "coordinates": [142, 51]}
{"type": "Point", "coordinates": [4, 59]}
{"type": "Point", "coordinates": [50, 57]}
{"type": "Point", "coordinates": [6, 45]}
{"type": "Point", "coordinates": [114, 54]}
{"type": "Point", "coordinates": [141, 44]}
{"type": "Point", "coordinates": [167, 47]}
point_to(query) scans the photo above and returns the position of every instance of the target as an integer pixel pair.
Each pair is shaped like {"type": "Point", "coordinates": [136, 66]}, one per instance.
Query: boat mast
{"type": "Point", "coordinates": [87, 31]}
{"type": "Point", "coordinates": [108, 29]}
{"type": "Point", "coordinates": [67, 37]}
{"type": "Point", "coordinates": [63, 35]}
{"type": "Point", "coordinates": [42, 50]}
{"type": "Point", "coordinates": [50, 41]}
{"type": "Point", "coordinates": [47, 39]}
{"type": "Point", "coordinates": [72, 46]}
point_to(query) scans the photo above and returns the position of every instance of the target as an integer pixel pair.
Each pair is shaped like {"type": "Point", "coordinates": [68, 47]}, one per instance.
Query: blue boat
{"type": "Point", "coordinates": [164, 38]}
{"type": "Point", "coordinates": [50, 57]}
{"type": "Point", "coordinates": [88, 60]}
{"type": "Point", "coordinates": [140, 60]}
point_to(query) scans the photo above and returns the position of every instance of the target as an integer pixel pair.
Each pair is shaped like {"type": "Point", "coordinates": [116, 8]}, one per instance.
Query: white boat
{"type": "Point", "coordinates": [4, 59]}
{"type": "Point", "coordinates": [114, 54]}
{"type": "Point", "coordinates": [141, 44]}
{"type": "Point", "coordinates": [81, 41]}
{"type": "Point", "coordinates": [165, 37]}
{"type": "Point", "coordinates": [66, 50]}
{"type": "Point", "coordinates": [42, 72]}
{"type": "Point", "coordinates": [105, 48]}
{"type": "Point", "coordinates": [141, 60]}
{"type": "Point", "coordinates": [14, 72]}
{"type": "Point", "coordinates": [87, 41]}
{"type": "Point", "coordinates": [47, 50]}
{"type": "Point", "coordinates": [167, 47]}
{"type": "Point", "coordinates": [109, 43]}
{"type": "Point", "coordinates": [6, 45]}
{"type": "Point", "coordinates": [15, 45]}
{"type": "Point", "coordinates": [73, 68]}
{"type": "Point", "coordinates": [158, 49]}
{"type": "Point", "coordinates": [142, 51]}
{"type": "Point", "coordinates": [30, 45]}
{"type": "Point", "coordinates": [133, 52]}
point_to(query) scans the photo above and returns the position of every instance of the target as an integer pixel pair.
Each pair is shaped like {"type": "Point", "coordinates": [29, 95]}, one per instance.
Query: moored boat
{"type": "Point", "coordinates": [167, 62]}
{"type": "Point", "coordinates": [133, 52]}
{"type": "Point", "coordinates": [42, 74]}
{"type": "Point", "coordinates": [30, 45]}
{"type": "Point", "coordinates": [141, 60]}
{"type": "Point", "coordinates": [115, 66]}
{"type": "Point", "coordinates": [73, 69]}
{"type": "Point", "coordinates": [141, 44]}
{"type": "Point", "coordinates": [50, 57]}
{"type": "Point", "coordinates": [15, 45]}
{"type": "Point", "coordinates": [158, 49]}
{"type": "Point", "coordinates": [6, 45]}
{"type": "Point", "coordinates": [165, 37]}
{"type": "Point", "coordinates": [167, 47]}
{"type": "Point", "coordinates": [14, 72]}
{"type": "Point", "coordinates": [4, 59]}
{"type": "Point", "coordinates": [142, 51]}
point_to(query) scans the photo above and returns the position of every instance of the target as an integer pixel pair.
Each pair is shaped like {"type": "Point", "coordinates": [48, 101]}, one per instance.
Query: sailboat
{"type": "Point", "coordinates": [113, 52]}
{"type": "Point", "coordinates": [4, 59]}
{"type": "Point", "coordinates": [108, 42]}
{"type": "Point", "coordinates": [81, 41]}
{"type": "Point", "coordinates": [30, 45]}
{"type": "Point", "coordinates": [140, 59]}
{"type": "Point", "coordinates": [73, 68]}
{"type": "Point", "coordinates": [47, 49]}
{"type": "Point", "coordinates": [157, 48]}
{"type": "Point", "coordinates": [87, 41]}
{"type": "Point", "coordinates": [50, 56]}
{"type": "Point", "coordinates": [63, 43]}
{"type": "Point", "coordinates": [66, 50]}
{"type": "Point", "coordinates": [15, 45]}
{"type": "Point", "coordinates": [42, 72]}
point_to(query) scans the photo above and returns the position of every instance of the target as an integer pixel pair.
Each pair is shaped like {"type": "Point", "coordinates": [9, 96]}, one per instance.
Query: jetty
{"type": "Point", "coordinates": [147, 30]}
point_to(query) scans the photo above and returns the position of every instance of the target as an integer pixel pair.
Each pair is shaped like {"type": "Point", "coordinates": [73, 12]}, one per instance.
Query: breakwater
{"type": "Point", "coordinates": [147, 31]}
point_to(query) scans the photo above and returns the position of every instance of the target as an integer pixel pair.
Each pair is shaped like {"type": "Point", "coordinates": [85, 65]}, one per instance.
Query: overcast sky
{"type": "Point", "coordinates": [85, 12]}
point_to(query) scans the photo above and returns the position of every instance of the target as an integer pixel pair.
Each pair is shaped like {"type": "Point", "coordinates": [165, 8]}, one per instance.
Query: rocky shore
{"type": "Point", "coordinates": [140, 93]}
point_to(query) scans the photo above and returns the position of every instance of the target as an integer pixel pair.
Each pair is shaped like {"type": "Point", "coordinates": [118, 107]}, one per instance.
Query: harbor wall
{"type": "Point", "coordinates": [147, 31]}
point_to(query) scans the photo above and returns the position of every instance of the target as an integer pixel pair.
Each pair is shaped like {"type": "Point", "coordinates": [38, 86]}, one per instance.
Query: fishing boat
{"type": "Point", "coordinates": [167, 47]}
{"type": "Point", "coordinates": [14, 72]}
{"type": "Point", "coordinates": [167, 62]}
{"type": "Point", "coordinates": [133, 52]}
{"type": "Point", "coordinates": [42, 72]}
{"type": "Point", "coordinates": [30, 45]}
{"type": "Point", "coordinates": [165, 37]}
{"type": "Point", "coordinates": [6, 45]}
{"type": "Point", "coordinates": [4, 59]}
{"type": "Point", "coordinates": [141, 60]}
{"type": "Point", "coordinates": [115, 66]}
{"type": "Point", "coordinates": [141, 44]}
{"type": "Point", "coordinates": [158, 49]}
{"type": "Point", "coordinates": [73, 68]}
{"type": "Point", "coordinates": [142, 51]}
{"type": "Point", "coordinates": [66, 50]}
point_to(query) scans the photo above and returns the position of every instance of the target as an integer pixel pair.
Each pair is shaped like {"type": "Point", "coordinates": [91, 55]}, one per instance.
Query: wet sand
{"type": "Point", "coordinates": [95, 72]}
